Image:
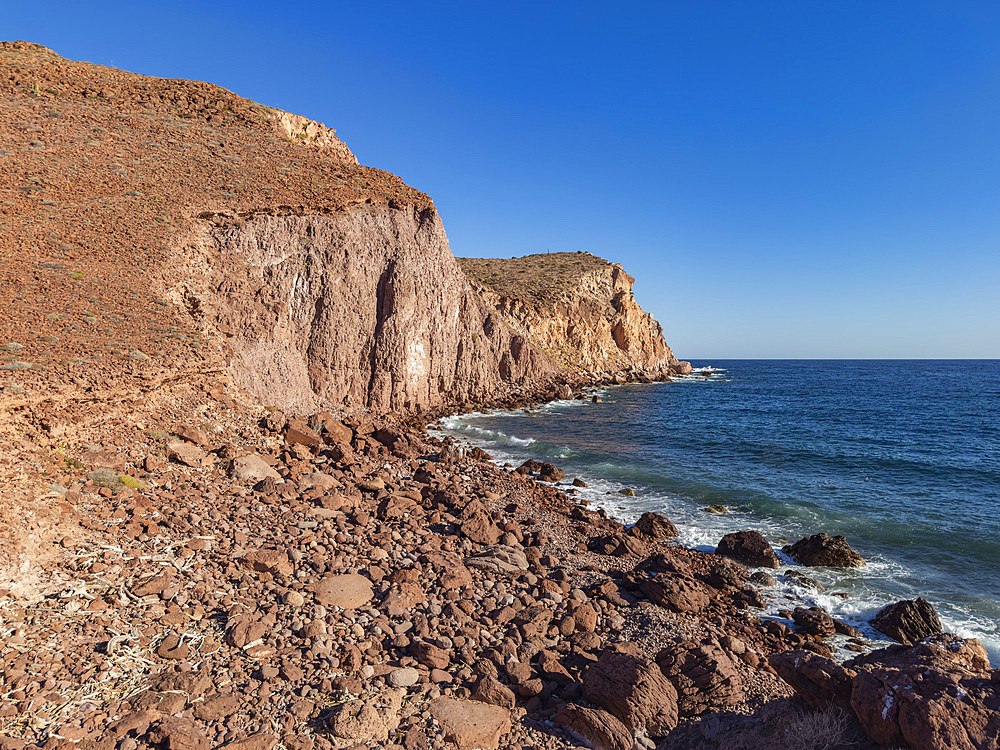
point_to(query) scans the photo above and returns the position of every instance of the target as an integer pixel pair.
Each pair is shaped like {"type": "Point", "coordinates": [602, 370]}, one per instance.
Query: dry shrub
{"type": "Point", "coordinates": [818, 730]}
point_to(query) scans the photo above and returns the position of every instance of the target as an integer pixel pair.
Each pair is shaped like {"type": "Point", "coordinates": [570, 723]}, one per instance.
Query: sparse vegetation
{"type": "Point", "coordinates": [537, 277]}
{"type": "Point", "coordinates": [818, 730]}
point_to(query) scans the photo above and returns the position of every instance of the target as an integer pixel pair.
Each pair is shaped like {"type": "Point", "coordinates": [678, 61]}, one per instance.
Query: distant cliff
{"type": "Point", "coordinates": [578, 309]}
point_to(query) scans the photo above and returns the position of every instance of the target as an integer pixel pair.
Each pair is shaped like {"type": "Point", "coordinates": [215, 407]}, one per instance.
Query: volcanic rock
{"type": "Point", "coordinates": [824, 550]}
{"type": "Point", "coordinates": [749, 548]}
{"type": "Point", "coordinates": [365, 720]}
{"type": "Point", "coordinates": [908, 621]}
{"type": "Point", "coordinates": [633, 688]}
{"type": "Point", "coordinates": [471, 725]}
{"type": "Point", "coordinates": [348, 591]}
{"type": "Point", "coordinates": [703, 674]}
{"type": "Point", "coordinates": [656, 526]}
{"type": "Point", "coordinates": [595, 727]}
{"type": "Point", "coordinates": [815, 621]}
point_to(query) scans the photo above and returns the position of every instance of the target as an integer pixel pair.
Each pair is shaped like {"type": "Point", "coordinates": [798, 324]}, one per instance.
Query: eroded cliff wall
{"type": "Point", "coordinates": [577, 308]}
{"type": "Point", "coordinates": [364, 309]}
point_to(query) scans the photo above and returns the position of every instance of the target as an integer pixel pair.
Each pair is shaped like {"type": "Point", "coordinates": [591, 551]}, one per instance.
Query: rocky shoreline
{"type": "Point", "coordinates": [253, 580]}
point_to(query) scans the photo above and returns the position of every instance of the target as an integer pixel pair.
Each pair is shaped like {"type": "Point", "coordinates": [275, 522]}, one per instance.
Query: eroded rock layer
{"type": "Point", "coordinates": [363, 309]}
{"type": "Point", "coordinates": [577, 308]}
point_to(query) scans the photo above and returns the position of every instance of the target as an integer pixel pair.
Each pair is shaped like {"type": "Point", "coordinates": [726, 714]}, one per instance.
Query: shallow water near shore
{"type": "Point", "coordinates": [901, 456]}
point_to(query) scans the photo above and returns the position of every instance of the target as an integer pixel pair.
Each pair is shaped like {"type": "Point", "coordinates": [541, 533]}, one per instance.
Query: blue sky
{"type": "Point", "coordinates": [784, 179]}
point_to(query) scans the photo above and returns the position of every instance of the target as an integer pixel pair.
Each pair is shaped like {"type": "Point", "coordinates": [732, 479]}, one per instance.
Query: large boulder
{"type": "Point", "coordinates": [367, 720]}
{"type": "Point", "coordinates": [348, 591]}
{"type": "Point", "coordinates": [632, 687]}
{"type": "Point", "coordinates": [819, 681]}
{"type": "Point", "coordinates": [656, 526]}
{"type": "Point", "coordinates": [594, 727]}
{"type": "Point", "coordinates": [703, 674]}
{"type": "Point", "coordinates": [673, 591]}
{"type": "Point", "coordinates": [814, 621]}
{"type": "Point", "coordinates": [471, 725]}
{"type": "Point", "coordinates": [937, 694]}
{"type": "Point", "coordinates": [908, 621]}
{"type": "Point", "coordinates": [824, 550]}
{"type": "Point", "coordinates": [749, 548]}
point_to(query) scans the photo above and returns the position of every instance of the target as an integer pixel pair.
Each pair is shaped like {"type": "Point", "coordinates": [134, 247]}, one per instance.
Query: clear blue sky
{"type": "Point", "coordinates": [785, 179]}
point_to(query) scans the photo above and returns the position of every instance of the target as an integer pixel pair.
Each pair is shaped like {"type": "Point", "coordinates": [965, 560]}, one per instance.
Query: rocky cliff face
{"type": "Point", "coordinates": [578, 309]}
{"type": "Point", "coordinates": [363, 309]}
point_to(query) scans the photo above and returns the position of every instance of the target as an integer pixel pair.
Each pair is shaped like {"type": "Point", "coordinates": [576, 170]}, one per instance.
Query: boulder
{"type": "Point", "coordinates": [824, 550]}
{"type": "Point", "coordinates": [908, 621]}
{"type": "Point", "coordinates": [703, 675]}
{"type": "Point", "coordinates": [252, 468]}
{"type": "Point", "coordinates": [937, 694]}
{"type": "Point", "coordinates": [595, 727]}
{"type": "Point", "coordinates": [188, 454]}
{"type": "Point", "coordinates": [819, 681]}
{"type": "Point", "coordinates": [366, 720]}
{"type": "Point", "coordinates": [273, 561]}
{"type": "Point", "coordinates": [490, 690]}
{"type": "Point", "coordinates": [656, 526]}
{"type": "Point", "coordinates": [674, 591]}
{"type": "Point", "coordinates": [749, 548]}
{"type": "Point", "coordinates": [814, 621]}
{"type": "Point", "coordinates": [348, 591]}
{"type": "Point", "coordinates": [633, 688]}
{"type": "Point", "coordinates": [178, 733]}
{"type": "Point", "coordinates": [550, 473]}
{"type": "Point", "coordinates": [471, 725]}
{"type": "Point", "coordinates": [499, 559]}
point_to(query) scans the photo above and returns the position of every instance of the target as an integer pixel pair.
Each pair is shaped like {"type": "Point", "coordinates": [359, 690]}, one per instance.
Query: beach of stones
{"type": "Point", "coordinates": [329, 583]}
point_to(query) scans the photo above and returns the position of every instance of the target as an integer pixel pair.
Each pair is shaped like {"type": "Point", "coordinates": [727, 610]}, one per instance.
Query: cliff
{"type": "Point", "coordinates": [154, 227]}
{"type": "Point", "coordinates": [577, 308]}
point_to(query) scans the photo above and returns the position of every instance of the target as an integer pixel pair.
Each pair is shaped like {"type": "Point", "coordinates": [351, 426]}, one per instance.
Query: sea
{"type": "Point", "coordinates": [900, 456]}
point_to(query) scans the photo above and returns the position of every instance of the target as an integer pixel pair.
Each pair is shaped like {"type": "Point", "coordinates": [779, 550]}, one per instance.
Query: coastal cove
{"type": "Point", "coordinates": [899, 456]}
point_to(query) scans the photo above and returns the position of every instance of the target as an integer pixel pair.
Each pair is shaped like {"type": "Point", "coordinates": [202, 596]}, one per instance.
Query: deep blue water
{"type": "Point", "coordinates": [901, 456]}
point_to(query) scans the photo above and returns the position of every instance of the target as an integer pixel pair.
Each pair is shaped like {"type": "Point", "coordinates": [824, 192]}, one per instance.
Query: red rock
{"type": "Point", "coordinates": [366, 720]}
{"type": "Point", "coordinates": [273, 561]}
{"type": "Point", "coordinates": [491, 690]}
{"type": "Point", "coordinates": [259, 741]}
{"type": "Point", "coordinates": [633, 688]}
{"type": "Point", "coordinates": [471, 725]}
{"type": "Point", "coordinates": [403, 596]}
{"type": "Point", "coordinates": [749, 548]}
{"type": "Point", "coordinates": [656, 526]}
{"type": "Point", "coordinates": [178, 733]}
{"type": "Point", "coordinates": [678, 593]}
{"type": "Point", "coordinates": [218, 707]}
{"type": "Point", "coordinates": [299, 433]}
{"type": "Point", "coordinates": [820, 681]}
{"type": "Point", "coordinates": [908, 621]}
{"type": "Point", "coordinates": [937, 694]}
{"type": "Point", "coordinates": [348, 591]}
{"type": "Point", "coordinates": [430, 655]}
{"type": "Point", "coordinates": [172, 648]}
{"type": "Point", "coordinates": [188, 454]}
{"type": "Point", "coordinates": [595, 727]}
{"type": "Point", "coordinates": [704, 676]}
{"type": "Point", "coordinates": [824, 550]}
{"type": "Point", "coordinates": [815, 621]}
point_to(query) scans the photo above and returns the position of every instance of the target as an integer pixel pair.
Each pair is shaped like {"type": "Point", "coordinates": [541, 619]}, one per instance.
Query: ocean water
{"type": "Point", "coordinates": [900, 456]}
